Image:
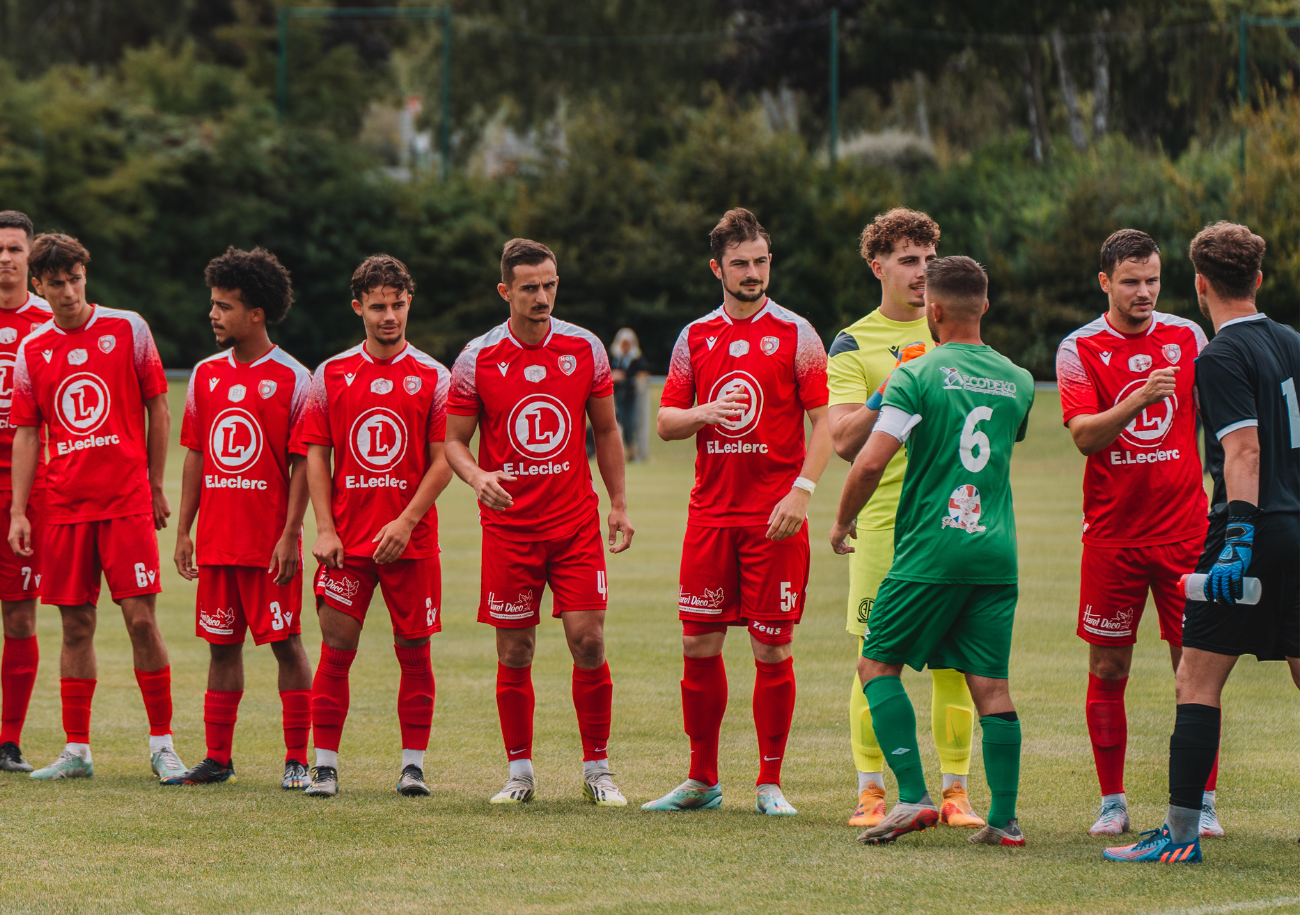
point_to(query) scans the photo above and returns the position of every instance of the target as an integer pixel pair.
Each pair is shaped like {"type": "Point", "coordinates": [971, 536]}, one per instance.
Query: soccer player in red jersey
{"type": "Point", "coordinates": [528, 385]}
{"type": "Point", "coordinates": [20, 576]}
{"type": "Point", "coordinates": [250, 493]}
{"type": "Point", "coordinates": [1127, 384]}
{"type": "Point", "coordinates": [755, 370]}
{"type": "Point", "coordinates": [379, 410]}
{"type": "Point", "coordinates": [90, 376]}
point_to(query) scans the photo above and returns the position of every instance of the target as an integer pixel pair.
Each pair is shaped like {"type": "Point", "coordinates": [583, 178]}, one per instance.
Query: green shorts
{"type": "Point", "coordinates": [873, 554]}
{"type": "Point", "coordinates": [959, 626]}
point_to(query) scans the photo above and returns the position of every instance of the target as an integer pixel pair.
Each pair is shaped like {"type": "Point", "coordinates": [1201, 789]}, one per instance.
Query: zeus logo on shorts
{"type": "Point", "coordinates": [236, 440]}
{"type": "Point", "coordinates": [539, 426]}
{"type": "Point", "coordinates": [378, 439]}
{"type": "Point", "coordinates": [739, 383]}
{"type": "Point", "coordinates": [82, 403]}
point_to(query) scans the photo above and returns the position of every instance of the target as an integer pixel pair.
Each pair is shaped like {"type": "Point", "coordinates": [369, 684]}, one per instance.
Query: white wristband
{"type": "Point", "coordinates": [805, 484]}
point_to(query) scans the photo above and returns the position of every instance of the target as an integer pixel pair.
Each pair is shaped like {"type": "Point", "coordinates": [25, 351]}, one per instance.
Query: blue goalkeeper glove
{"type": "Point", "coordinates": [1224, 582]}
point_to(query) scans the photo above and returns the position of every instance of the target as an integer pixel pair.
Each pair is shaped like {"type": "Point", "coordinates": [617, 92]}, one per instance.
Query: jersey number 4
{"type": "Point", "coordinates": [974, 445]}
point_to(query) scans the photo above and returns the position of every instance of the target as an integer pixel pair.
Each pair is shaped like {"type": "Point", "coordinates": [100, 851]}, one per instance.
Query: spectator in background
{"type": "Point", "coordinates": [627, 365]}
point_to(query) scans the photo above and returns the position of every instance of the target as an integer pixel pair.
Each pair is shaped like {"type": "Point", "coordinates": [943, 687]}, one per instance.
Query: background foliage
{"type": "Point", "coordinates": [149, 130]}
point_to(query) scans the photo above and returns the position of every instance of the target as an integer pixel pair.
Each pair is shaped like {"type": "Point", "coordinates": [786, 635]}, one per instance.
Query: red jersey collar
{"type": "Point", "coordinates": [94, 314]}
{"type": "Point", "coordinates": [236, 364]}
{"type": "Point", "coordinates": [1119, 333]}
{"type": "Point", "coordinates": [389, 361]}
{"type": "Point", "coordinates": [550, 332]}
{"type": "Point", "coordinates": [767, 303]}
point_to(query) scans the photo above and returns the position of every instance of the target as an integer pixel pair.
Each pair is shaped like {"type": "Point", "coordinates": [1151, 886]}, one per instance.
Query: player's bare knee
{"type": "Point", "coordinates": [19, 618]}
{"type": "Point", "coordinates": [289, 649]}
{"type": "Point", "coordinates": [515, 647]}
{"type": "Point", "coordinates": [78, 624]}
{"type": "Point", "coordinates": [588, 650]}
{"type": "Point", "coordinates": [226, 655]}
{"type": "Point", "coordinates": [1110, 662]}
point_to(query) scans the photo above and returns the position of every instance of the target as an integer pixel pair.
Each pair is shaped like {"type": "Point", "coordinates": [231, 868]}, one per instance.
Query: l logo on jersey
{"type": "Point", "coordinates": [380, 386]}
{"type": "Point", "coordinates": [412, 384]}
{"type": "Point", "coordinates": [1139, 363]}
{"type": "Point", "coordinates": [107, 342]}
{"type": "Point", "coordinates": [77, 357]}
{"type": "Point", "coordinates": [82, 403]}
{"type": "Point", "coordinates": [769, 345]}
{"type": "Point", "coordinates": [8, 335]}
{"type": "Point", "coordinates": [738, 348]}
{"type": "Point", "coordinates": [236, 393]}
{"type": "Point", "coordinates": [568, 364]}
{"type": "Point", "coordinates": [1149, 428]}
{"type": "Point", "coordinates": [235, 442]}
{"type": "Point", "coordinates": [539, 426]}
{"type": "Point", "coordinates": [6, 380]}
{"type": "Point", "coordinates": [1173, 352]}
{"type": "Point", "coordinates": [748, 385]}
{"type": "Point", "coordinates": [378, 439]}
{"type": "Point", "coordinates": [266, 389]}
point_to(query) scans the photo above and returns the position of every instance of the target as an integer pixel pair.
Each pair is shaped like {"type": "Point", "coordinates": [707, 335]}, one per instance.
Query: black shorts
{"type": "Point", "coordinates": [1270, 630]}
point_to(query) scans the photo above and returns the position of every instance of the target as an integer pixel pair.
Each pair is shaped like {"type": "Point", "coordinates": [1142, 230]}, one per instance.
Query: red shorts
{"type": "Point", "coordinates": [515, 571]}
{"type": "Point", "coordinates": [412, 590]}
{"type": "Point", "coordinates": [124, 549]}
{"type": "Point", "coordinates": [234, 599]}
{"type": "Point", "coordinates": [735, 576]}
{"type": "Point", "coordinates": [20, 576]}
{"type": "Point", "coordinates": [1113, 590]}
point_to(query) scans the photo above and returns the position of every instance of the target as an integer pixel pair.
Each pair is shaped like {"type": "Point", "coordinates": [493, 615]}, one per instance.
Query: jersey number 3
{"type": "Point", "coordinates": [974, 446]}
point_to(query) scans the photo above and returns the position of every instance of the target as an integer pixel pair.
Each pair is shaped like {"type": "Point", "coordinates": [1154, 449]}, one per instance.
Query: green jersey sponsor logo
{"type": "Point", "coordinates": [954, 380]}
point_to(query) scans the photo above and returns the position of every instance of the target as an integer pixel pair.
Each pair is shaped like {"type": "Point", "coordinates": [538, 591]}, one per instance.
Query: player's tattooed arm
{"type": "Point", "coordinates": [486, 485]}
{"type": "Point", "coordinates": [191, 480]}
{"type": "Point", "coordinates": [392, 538]}
{"type": "Point", "coordinates": [328, 548]}
{"type": "Point", "coordinates": [285, 557]}
{"type": "Point", "coordinates": [864, 476]}
{"type": "Point", "coordinates": [1094, 431]}
{"type": "Point", "coordinates": [788, 515]}
{"type": "Point", "coordinates": [675, 423]}
{"type": "Point", "coordinates": [26, 448]}
{"type": "Point", "coordinates": [610, 462]}
{"type": "Point", "coordinates": [160, 428]}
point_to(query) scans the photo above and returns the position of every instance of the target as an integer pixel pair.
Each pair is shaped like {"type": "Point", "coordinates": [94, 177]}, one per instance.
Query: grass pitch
{"type": "Point", "coordinates": [120, 843]}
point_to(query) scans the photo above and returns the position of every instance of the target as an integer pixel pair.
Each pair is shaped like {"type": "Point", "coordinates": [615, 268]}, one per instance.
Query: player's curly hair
{"type": "Point", "coordinates": [1229, 257]}
{"type": "Point", "coordinates": [736, 227]}
{"type": "Point", "coordinates": [884, 232]}
{"type": "Point", "coordinates": [1124, 245]}
{"type": "Point", "coordinates": [380, 271]}
{"type": "Point", "coordinates": [54, 252]}
{"type": "Point", "coordinates": [261, 279]}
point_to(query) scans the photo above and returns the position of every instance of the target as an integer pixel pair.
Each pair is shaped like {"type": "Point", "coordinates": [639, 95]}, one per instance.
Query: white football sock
{"type": "Point", "coordinates": [81, 749]}
{"type": "Point", "coordinates": [1208, 798]}
{"type": "Point", "coordinates": [413, 758]}
{"type": "Point", "coordinates": [949, 780]}
{"type": "Point", "coordinates": [521, 767]}
{"type": "Point", "coordinates": [769, 788]}
{"type": "Point", "coordinates": [327, 758]}
{"type": "Point", "coordinates": [594, 765]}
{"type": "Point", "coordinates": [157, 743]}
{"type": "Point", "coordinates": [696, 784]}
{"type": "Point", "coordinates": [865, 777]}
{"type": "Point", "coordinates": [1118, 798]}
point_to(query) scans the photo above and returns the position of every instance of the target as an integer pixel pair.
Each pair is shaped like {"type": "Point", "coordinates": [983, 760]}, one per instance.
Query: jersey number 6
{"type": "Point", "coordinates": [972, 439]}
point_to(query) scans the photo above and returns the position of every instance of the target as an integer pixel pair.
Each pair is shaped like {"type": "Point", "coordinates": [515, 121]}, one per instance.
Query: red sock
{"type": "Point", "coordinates": [515, 701]}
{"type": "Point", "coordinates": [17, 677]}
{"type": "Point", "coordinates": [1214, 775]}
{"type": "Point", "coordinates": [1108, 731]}
{"type": "Point", "coordinates": [220, 711]}
{"type": "Point", "coordinates": [415, 696]}
{"type": "Point", "coordinates": [593, 692]}
{"type": "Point", "coordinates": [296, 704]}
{"type": "Point", "coordinates": [704, 702]}
{"type": "Point", "coordinates": [76, 695]}
{"type": "Point", "coordinates": [330, 697]}
{"type": "Point", "coordinates": [773, 710]}
{"type": "Point", "coordinates": [156, 688]}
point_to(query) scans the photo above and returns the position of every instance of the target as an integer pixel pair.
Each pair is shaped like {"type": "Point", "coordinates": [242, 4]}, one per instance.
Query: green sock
{"type": "Point", "coordinates": [1001, 767]}
{"type": "Point", "coordinates": [894, 721]}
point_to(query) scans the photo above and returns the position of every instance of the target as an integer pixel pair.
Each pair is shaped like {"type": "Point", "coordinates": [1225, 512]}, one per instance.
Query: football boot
{"type": "Point", "coordinates": [1009, 834]}
{"type": "Point", "coordinates": [904, 818]}
{"type": "Point", "coordinates": [518, 789]}
{"type": "Point", "coordinates": [296, 776]}
{"type": "Point", "coordinates": [956, 810]}
{"type": "Point", "coordinates": [11, 758]}
{"type": "Point", "coordinates": [208, 772]}
{"type": "Point", "coordinates": [599, 788]}
{"type": "Point", "coordinates": [1156, 845]}
{"type": "Point", "coordinates": [1112, 819]}
{"type": "Point", "coordinates": [68, 765]}
{"type": "Point", "coordinates": [166, 764]}
{"type": "Point", "coordinates": [773, 803]}
{"type": "Point", "coordinates": [324, 782]}
{"type": "Point", "coordinates": [687, 797]}
{"type": "Point", "coordinates": [411, 783]}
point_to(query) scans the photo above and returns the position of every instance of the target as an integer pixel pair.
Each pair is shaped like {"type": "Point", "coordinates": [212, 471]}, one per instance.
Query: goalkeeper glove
{"type": "Point", "coordinates": [1224, 581]}
{"type": "Point", "coordinates": [909, 352]}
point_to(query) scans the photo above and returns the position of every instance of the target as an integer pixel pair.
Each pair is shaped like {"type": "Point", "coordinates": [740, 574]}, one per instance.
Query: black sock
{"type": "Point", "coordinates": [1192, 750]}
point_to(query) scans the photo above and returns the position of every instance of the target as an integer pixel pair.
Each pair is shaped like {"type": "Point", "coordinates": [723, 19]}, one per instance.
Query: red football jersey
{"type": "Point", "coordinates": [379, 416]}
{"type": "Point", "coordinates": [89, 385]}
{"type": "Point", "coordinates": [531, 402]}
{"type": "Point", "coordinates": [15, 324]}
{"type": "Point", "coordinates": [1146, 489]}
{"type": "Point", "coordinates": [241, 418]}
{"type": "Point", "coordinates": [745, 467]}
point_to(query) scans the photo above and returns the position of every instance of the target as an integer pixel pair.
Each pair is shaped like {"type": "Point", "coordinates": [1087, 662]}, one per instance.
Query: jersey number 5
{"type": "Point", "coordinates": [972, 439]}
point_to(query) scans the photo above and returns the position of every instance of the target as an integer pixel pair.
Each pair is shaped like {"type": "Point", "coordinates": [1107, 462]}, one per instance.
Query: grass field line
{"type": "Point", "coordinates": [1249, 905]}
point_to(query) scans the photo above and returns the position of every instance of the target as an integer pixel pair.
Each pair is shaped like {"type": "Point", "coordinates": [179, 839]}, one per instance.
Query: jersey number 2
{"type": "Point", "coordinates": [972, 439]}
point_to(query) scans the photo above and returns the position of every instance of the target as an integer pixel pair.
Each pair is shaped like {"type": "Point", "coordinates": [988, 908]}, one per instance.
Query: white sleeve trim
{"type": "Point", "coordinates": [1233, 427]}
{"type": "Point", "coordinates": [896, 422]}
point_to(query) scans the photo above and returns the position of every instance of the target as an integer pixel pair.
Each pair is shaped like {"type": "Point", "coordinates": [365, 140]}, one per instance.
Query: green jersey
{"type": "Point", "coordinates": [959, 408]}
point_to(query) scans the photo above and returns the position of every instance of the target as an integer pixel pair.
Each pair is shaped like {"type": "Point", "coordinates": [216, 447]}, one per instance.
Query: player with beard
{"type": "Point", "coordinates": [241, 412]}
{"type": "Point", "coordinates": [528, 386]}
{"type": "Point", "coordinates": [741, 381]}
{"type": "Point", "coordinates": [1127, 382]}
{"type": "Point", "coordinates": [379, 410]}
{"type": "Point", "coordinates": [898, 245]}
{"type": "Point", "coordinates": [91, 376]}
{"type": "Point", "coordinates": [20, 576]}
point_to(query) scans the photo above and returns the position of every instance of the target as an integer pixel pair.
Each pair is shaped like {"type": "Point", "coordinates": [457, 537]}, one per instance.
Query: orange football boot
{"type": "Point", "coordinates": [871, 806]}
{"type": "Point", "coordinates": [956, 809]}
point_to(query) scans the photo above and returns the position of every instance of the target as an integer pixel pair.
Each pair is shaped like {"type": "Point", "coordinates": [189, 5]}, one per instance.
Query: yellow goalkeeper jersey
{"type": "Point", "coordinates": [862, 356]}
